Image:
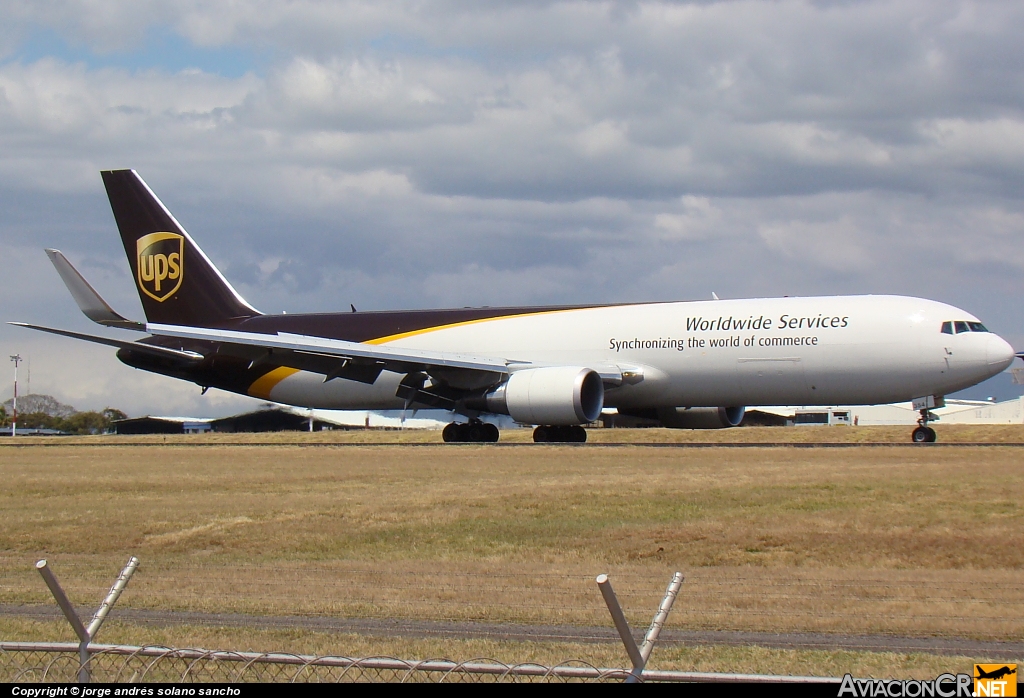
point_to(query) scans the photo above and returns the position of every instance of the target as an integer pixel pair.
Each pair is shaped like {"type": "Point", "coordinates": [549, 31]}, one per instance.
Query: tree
{"type": "Point", "coordinates": [85, 423]}
{"type": "Point", "coordinates": [113, 415]}
{"type": "Point", "coordinates": [39, 420]}
{"type": "Point", "coordinates": [47, 404]}
{"type": "Point", "coordinates": [45, 412]}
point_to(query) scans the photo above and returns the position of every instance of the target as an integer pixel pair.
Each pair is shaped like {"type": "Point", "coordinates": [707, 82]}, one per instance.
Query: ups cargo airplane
{"type": "Point", "coordinates": [689, 365]}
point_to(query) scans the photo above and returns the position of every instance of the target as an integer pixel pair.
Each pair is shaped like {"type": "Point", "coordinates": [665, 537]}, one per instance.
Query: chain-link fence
{"type": "Point", "coordinates": [55, 662]}
{"type": "Point", "coordinates": [363, 601]}
{"type": "Point", "coordinates": [58, 662]}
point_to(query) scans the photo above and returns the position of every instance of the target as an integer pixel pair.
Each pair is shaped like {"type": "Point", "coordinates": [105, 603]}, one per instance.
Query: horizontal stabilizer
{"type": "Point", "coordinates": [90, 302]}
{"type": "Point", "coordinates": [162, 352]}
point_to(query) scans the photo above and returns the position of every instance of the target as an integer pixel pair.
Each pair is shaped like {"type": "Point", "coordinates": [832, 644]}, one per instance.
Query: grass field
{"type": "Point", "coordinates": [910, 541]}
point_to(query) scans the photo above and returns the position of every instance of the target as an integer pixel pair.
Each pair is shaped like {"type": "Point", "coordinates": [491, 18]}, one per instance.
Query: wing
{"type": "Point", "coordinates": [403, 360]}
{"type": "Point", "coordinates": [432, 378]}
{"type": "Point", "coordinates": [331, 356]}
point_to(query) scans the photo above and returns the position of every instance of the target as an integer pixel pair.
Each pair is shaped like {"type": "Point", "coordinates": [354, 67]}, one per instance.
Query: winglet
{"type": "Point", "coordinates": [90, 302]}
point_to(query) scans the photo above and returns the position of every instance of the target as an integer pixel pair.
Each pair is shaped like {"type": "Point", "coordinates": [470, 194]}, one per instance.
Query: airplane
{"type": "Point", "coordinates": [995, 674]}
{"type": "Point", "coordinates": [688, 365]}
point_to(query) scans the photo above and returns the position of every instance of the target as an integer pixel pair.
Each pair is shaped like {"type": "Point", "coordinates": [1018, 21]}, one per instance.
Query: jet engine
{"type": "Point", "coordinates": [559, 395]}
{"type": "Point", "coordinates": [700, 417]}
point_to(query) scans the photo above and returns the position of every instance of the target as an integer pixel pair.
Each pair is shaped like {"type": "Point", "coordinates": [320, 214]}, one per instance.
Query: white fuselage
{"type": "Point", "coordinates": [772, 351]}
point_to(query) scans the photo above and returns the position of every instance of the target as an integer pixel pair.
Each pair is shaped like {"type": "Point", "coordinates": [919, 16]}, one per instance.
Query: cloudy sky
{"type": "Point", "coordinates": [397, 155]}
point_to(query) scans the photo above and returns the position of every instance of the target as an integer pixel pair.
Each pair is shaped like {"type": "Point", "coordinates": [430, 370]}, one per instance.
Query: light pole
{"type": "Point", "coordinates": [14, 420]}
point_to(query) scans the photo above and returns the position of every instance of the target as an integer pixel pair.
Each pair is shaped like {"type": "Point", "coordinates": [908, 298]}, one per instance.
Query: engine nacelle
{"type": "Point", "coordinates": [559, 395]}
{"type": "Point", "coordinates": [700, 417]}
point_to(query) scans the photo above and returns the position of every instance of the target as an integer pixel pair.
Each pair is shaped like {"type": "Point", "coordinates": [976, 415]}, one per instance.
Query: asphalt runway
{"type": "Point", "coordinates": [624, 444]}
{"type": "Point", "coordinates": [544, 633]}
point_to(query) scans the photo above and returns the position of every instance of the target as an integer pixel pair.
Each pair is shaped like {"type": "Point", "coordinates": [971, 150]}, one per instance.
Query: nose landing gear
{"type": "Point", "coordinates": [924, 434]}
{"type": "Point", "coordinates": [473, 431]}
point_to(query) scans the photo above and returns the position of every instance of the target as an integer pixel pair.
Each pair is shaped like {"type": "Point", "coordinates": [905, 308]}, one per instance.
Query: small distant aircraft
{"type": "Point", "coordinates": [689, 365]}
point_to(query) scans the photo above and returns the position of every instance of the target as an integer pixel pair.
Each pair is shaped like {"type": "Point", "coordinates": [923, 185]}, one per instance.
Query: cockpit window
{"type": "Point", "coordinates": [961, 326]}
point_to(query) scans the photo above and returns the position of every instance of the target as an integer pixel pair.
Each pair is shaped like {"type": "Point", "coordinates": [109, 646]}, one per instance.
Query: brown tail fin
{"type": "Point", "coordinates": [177, 282]}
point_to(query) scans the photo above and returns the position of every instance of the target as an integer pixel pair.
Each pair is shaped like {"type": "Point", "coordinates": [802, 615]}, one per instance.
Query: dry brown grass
{"type": "Point", "coordinates": [906, 541]}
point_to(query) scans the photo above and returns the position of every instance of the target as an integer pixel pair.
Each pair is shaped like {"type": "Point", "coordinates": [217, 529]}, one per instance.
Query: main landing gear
{"type": "Point", "coordinates": [471, 432]}
{"type": "Point", "coordinates": [924, 434]}
{"type": "Point", "coordinates": [570, 434]}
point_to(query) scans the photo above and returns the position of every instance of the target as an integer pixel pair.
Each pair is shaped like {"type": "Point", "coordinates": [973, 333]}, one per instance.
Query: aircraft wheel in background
{"type": "Point", "coordinates": [473, 432]}
{"type": "Point", "coordinates": [450, 434]}
{"type": "Point", "coordinates": [560, 434]}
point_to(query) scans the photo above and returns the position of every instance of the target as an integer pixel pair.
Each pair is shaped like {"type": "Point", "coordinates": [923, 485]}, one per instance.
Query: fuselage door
{"type": "Point", "coordinates": [772, 381]}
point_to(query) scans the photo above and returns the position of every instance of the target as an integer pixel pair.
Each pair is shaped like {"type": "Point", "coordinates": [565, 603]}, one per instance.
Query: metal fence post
{"type": "Point", "coordinates": [638, 656]}
{"type": "Point", "coordinates": [86, 634]}
{"type": "Point", "coordinates": [610, 600]}
{"type": "Point", "coordinates": [661, 616]}
{"type": "Point", "coordinates": [111, 598]}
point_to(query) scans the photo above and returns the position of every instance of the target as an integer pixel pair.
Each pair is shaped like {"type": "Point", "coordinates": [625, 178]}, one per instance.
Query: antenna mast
{"type": "Point", "coordinates": [14, 420]}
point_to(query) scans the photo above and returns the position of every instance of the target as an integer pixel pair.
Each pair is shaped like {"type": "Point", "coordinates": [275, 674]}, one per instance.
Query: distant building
{"type": "Point", "coordinates": [903, 414]}
{"type": "Point", "coordinates": [272, 417]}
{"type": "Point", "coordinates": [32, 431]}
{"type": "Point", "coordinates": [162, 425]}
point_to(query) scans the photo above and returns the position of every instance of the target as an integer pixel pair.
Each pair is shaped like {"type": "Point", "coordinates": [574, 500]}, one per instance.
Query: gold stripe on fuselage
{"type": "Point", "coordinates": [262, 386]}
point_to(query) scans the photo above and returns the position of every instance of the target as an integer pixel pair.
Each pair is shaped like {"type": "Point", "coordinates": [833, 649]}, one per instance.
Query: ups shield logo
{"type": "Point", "coordinates": [161, 264]}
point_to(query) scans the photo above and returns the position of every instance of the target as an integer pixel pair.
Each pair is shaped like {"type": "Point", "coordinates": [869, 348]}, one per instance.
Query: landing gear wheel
{"type": "Point", "coordinates": [923, 435]}
{"type": "Point", "coordinates": [473, 432]}
{"type": "Point", "coordinates": [560, 434]}
{"type": "Point", "coordinates": [451, 433]}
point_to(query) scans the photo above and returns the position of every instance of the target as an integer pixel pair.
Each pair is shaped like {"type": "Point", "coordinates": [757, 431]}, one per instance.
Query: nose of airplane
{"type": "Point", "coordinates": [999, 352]}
